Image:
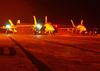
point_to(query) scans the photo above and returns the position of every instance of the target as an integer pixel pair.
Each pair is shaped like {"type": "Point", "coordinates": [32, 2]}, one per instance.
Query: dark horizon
{"type": "Point", "coordinates": [58, 12]}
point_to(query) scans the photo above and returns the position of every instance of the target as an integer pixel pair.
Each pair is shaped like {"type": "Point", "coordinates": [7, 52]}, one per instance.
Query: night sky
{"type": "Point", "coordinates": [58, 11]}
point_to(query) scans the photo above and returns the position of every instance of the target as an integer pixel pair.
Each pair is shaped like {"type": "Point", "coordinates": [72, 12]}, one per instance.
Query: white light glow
{"type": "Point", "coordinates": [95, 31]}
{"type": "Point", "coordinates": [38, 25]}
{"type": "Point", "coordinates": [8, 26]}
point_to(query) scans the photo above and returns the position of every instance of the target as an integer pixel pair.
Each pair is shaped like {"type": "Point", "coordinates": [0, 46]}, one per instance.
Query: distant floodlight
{"type": "Point", "coordinates": [8, 26]}
{"type": "Point", "coordinates": [95, 31]}
{"type": "Point", "coordinates": [86, 32]}
{"type": "Point", "coordinates": [38, 26]}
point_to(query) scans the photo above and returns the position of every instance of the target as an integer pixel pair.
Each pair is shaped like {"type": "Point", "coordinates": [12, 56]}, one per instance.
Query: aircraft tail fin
{"type": "Point", "coordinates": [35, 20]}
{"type": "Point", "coordinates": [18, 21]}
{"type": "Point", "coordinates": [81, 22]}
{"type": "Point", "coordinates": [72, 23]}
{"type": "Point", "coordinates": [11, 22]}
{"type": "Point", "coordinates": [45, 19]}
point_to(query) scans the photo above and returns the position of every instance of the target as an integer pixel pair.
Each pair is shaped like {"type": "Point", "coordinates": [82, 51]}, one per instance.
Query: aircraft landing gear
{"type": "Point", "coordinates": [6, 31]}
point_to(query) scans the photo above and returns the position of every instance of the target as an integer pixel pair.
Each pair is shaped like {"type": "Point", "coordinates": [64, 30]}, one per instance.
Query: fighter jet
{"type": "Point", "coordinates": [80, 27]}
{"type": "Point", "coordinates": [12, 27]}
{"type": "Point", "coordinates": [49, 28]}
{"type": "Point", "coordinates": [9, 27]}
{"type": "Point", "coordinates": [46, 28]}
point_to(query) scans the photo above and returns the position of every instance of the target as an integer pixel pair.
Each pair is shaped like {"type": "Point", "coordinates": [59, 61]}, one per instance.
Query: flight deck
{"type": "Point", "coordinates": [47, 53]}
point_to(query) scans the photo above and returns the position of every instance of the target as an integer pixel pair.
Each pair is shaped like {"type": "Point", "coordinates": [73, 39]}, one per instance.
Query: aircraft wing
{"type": "Point", "coordinates": [27, 26]}
{"type": "Point", "coordinates": [16, 26]}
{"type": "Point", "coordinates": [5, 27]}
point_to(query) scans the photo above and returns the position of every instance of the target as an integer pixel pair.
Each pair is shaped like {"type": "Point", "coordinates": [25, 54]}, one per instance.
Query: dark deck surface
{"type": "Point", "coordinates": [47, 53]}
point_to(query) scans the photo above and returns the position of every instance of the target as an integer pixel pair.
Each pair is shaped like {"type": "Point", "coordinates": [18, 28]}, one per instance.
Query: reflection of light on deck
{"type": "Point", "coordinates": [8, 35]}
{"type": "Point", "coordinates": [38, 36]}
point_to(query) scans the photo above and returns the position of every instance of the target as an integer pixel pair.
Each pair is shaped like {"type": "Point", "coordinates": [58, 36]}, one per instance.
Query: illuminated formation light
{"type": "Point", "coordinates": [8, 26]}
